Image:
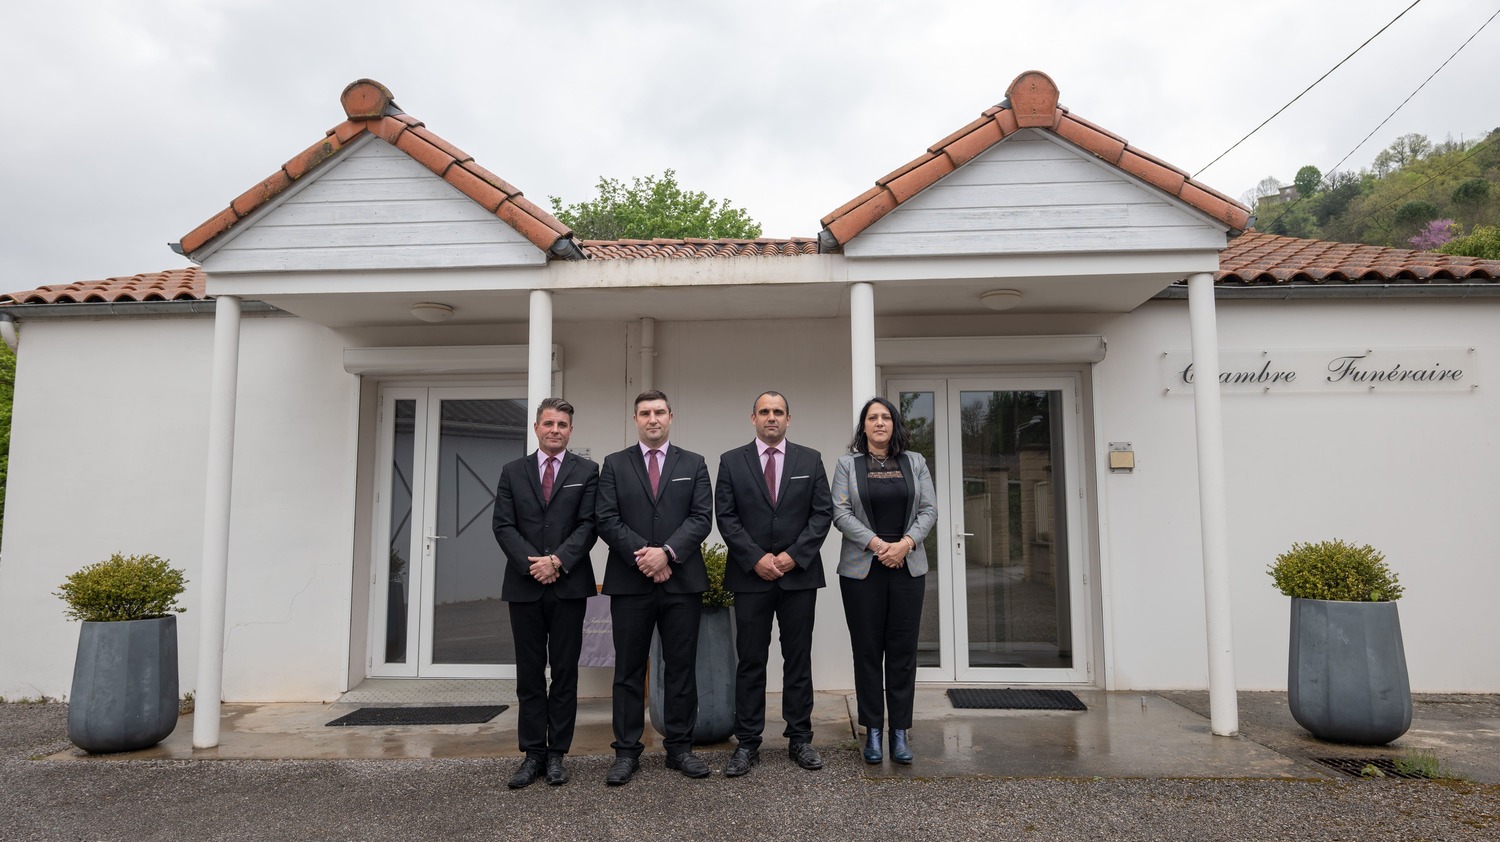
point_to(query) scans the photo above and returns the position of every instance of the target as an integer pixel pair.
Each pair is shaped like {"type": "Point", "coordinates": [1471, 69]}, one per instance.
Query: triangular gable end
{"type": "Point", "coordinates": [346, 203]}
{"type": "Point", "coordinates": [1028, 176]}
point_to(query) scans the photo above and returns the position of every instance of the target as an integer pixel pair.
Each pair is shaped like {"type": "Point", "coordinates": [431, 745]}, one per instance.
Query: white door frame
{"type": "Point", "coordinates": [950, 528]}
{"type": "Point", "coordinates": [422, 546]}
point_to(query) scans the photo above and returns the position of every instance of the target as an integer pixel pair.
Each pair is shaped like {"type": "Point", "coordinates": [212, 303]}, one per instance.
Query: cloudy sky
{"type": "Point", "coordinates": [128, 122]}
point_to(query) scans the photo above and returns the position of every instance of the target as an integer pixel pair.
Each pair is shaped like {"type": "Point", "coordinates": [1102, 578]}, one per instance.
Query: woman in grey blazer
{"type": "Point", "coordinates": [884, 504]}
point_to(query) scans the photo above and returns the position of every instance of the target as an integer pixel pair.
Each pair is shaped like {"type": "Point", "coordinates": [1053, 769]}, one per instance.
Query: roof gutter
{"type": "Point", "coordinates": [1341, 292]}
{"type": "Point", "coordinates": [11, 313]}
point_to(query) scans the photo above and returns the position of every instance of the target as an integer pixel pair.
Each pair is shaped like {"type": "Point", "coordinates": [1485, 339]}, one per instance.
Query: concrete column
{"type": "Point", "coordinates": [538, 359]}
{"type": "Point", "coordinates": [1224, 717]}
{"type": "Point", "coordinates": [214, 575]}
{"type": "Point", "coordinates": [862, 343]}
{"type": "Point", "coordinates": [648, 355]}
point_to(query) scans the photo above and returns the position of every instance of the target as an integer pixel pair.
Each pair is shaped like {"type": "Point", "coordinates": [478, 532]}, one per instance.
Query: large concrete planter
{"type": "Point", "coordinates": [124, 685]}
{"type": "Point", "coordinates": [1347, 680]}
{"type": "Point", "coordinates": [716, 664]}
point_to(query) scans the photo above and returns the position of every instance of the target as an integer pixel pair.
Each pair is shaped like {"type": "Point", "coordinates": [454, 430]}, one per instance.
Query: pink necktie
{"type": "Point", "coordinates": [653, 471]}
{"type": "Point", "coordinates": [771, 474]}
{"type": "Point", "coordinates": [547, 479]}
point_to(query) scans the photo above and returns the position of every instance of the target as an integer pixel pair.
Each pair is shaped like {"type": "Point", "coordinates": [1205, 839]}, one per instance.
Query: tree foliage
{"type": "Point", "coordinates": [1411, 183]}
{"type": "Point", "coordinates": [652, 207]}
{"type": "Point", "coordinates": [1483, 241]}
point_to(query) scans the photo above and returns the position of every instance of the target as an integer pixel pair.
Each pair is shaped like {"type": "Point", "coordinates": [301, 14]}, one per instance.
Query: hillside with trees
{"type": "Point", "coordinates": [1415, 194]}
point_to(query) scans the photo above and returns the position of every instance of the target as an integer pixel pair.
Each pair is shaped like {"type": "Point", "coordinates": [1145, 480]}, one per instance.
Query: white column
{"type": "Point", "coordinates": [1224, 716]}
{"type": "Point", "coordinates": [538, 359]}
{"type": "Point", "coordinates": [214, 575]}
{"type": "Point", "coordinates": [862, 343]}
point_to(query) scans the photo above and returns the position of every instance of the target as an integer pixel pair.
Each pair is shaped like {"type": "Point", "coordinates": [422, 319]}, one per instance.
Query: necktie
{"type": "Point", "coordinates": [653, 470]}
{"type": "Point", "coordinates": [771, 474]}
{"type": "Point", "coordinates": [548, 477]}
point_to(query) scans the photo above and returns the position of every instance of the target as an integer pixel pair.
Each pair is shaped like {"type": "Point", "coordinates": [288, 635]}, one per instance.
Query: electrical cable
{"type": "Point", "coordinates": [1308, 88]}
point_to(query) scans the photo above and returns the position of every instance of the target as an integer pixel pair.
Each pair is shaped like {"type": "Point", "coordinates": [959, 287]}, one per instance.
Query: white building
{"type": "Point", "coordinates": [1020, 288]}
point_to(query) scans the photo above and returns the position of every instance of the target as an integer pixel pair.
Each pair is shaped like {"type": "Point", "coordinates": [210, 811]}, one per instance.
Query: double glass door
{"type": "Point", "coordinates": [435, 606]}
{"type": "Point", "coordinates": [1006, 595]}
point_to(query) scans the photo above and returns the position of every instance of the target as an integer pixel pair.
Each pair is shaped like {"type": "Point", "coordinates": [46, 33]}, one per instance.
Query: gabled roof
{"type": "Point", "coordinates": [1031, 102]}
{"type": "Point", "coordinates": [370, 108]}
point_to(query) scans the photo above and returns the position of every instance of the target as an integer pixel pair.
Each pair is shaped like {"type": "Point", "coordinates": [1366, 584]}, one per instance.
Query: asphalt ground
{"type": "Point", "coordinates": [413, 799]}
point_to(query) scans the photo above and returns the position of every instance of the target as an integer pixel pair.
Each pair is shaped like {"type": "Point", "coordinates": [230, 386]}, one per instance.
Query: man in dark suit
{"type": "Point", "coordinates": [774, 510]}
{"type": "Point", "coordinates": [544, 521]}
{"type": "Point", "coordinates": [655, 508]}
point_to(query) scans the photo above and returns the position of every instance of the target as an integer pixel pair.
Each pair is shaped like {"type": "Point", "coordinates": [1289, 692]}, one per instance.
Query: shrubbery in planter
{"type": "Point", "coordinates": [1346, 674]}
{"type": "Point", "coordinates": [1335, 570]}
{"type": "Point", "coordinates": [137, 587]}
{"type": "Point", "coordinates": [125, 675]}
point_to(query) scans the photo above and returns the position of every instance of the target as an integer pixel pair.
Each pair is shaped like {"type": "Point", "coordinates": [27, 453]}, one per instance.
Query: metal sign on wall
{"type": "Point", "coordinates": [1330, 370]}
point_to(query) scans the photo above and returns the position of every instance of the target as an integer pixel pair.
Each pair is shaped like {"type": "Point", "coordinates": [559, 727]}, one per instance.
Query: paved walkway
{"type": "Point", "coordinates": [1134, 766]}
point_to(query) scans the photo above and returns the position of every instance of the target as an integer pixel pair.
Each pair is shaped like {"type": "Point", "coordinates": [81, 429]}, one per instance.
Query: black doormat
{"type": "Point", "coordinates": [1359, 767]}
{"type": "Point", "coordinates": [1008, 699]}
{"type": "Point", "coordinates": [441, 715]}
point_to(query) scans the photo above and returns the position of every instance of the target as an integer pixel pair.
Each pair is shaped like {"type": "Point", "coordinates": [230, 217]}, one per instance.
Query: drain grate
{"type": "Point", "coordinates": [1355, 767]}
{"type": "Point", "coordinates": [1008, 699]}
{"type": "Point", "coordinates": [439, 715]}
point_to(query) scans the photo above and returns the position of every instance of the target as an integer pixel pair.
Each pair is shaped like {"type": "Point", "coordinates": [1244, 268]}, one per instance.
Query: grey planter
{"type": "Point", "coordinates": [715, 665]}
{"type": "Point", "coordinates": [1347, 680]}
{"type": "Point", "coordinates": [124, 685]}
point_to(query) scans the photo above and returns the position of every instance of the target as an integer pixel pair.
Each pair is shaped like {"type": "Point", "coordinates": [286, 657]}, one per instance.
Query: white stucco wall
{"type": "Point", "coordinates": [108, 442]}
{"type": "Point", "coordinates": [107, 454]}
{"type": "Point", "coordinates": [1411, 473]}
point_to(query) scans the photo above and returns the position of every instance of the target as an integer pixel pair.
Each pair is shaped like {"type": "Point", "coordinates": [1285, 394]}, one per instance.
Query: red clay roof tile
{"type": "Point", "coordinates": [1031, 100]}
{"type": "Point", "coordinates": [172, 285]}
{"type": "Point", "coordinates": [370, 107]}
{"type": "Point", "coordinates": [1254, 258]}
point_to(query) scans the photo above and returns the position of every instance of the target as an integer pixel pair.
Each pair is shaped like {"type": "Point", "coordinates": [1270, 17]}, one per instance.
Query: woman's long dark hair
{"type": "Point", "coordinates": [900, 438]}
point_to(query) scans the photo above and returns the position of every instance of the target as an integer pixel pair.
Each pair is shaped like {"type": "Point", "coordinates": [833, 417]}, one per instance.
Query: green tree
{"type": "Point", "coordinates": [654, 207]}
{"type": "Point", "coordinates": [1308, 180]}
{"type": "Point", "coordinates": [1483, 242]}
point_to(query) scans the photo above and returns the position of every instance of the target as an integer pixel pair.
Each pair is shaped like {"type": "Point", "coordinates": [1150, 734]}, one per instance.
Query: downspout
{"type": "Point", "coordinates": [648, 354]}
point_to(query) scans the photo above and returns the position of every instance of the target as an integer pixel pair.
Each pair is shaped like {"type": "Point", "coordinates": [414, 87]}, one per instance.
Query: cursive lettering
{"type": "Point", "coordinates": [1347, 369]}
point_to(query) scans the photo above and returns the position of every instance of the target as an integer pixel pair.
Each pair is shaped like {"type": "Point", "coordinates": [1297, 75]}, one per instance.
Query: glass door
{"type": "Point", "coordinates": [1009, 598]}
{"type": "Point", "coordinates": [436, 609]}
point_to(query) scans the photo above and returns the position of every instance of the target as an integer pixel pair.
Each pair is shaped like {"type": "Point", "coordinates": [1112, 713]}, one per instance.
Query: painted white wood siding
{"type": "Point", "coordinates": [375, 208]}
{"type": "Point", "coordinates": [1031, 194]}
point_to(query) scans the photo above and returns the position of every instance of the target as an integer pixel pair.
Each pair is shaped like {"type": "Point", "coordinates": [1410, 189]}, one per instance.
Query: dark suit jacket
{"type": "Point", "coordinates": [752, 527]}
{"type": "Point", "coordinates": [680, 517]}
{"type": "Point", "coordinates": [564, 527]}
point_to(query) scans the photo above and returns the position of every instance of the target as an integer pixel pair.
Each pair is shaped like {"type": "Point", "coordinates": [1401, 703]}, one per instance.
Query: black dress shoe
{"type": "Point", "coordinates": [529, 770]}
{"type": "Point", "coordinates": [621, 772]}
{"type": "Point", "coordinates": [804, 755]}
{"type": "Point", "coordinates": [874, 753]}
{"type": "Point", "coordinates": [740, 762]}
{"type": "Point", "coordinates": [900, 748]}
{"type": "Point", "coordinates": [691, 765]}
{"type": "Point", "coordinates": [557, 773]}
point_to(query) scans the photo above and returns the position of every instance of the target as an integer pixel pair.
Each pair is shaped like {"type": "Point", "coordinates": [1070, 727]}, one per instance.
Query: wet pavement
{"type": "Point", "coordinates": [1120, 735]}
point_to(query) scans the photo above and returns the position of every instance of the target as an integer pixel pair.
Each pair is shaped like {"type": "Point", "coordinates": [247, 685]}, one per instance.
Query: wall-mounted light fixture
{"type": "Point", "coordinates": [429, 311]}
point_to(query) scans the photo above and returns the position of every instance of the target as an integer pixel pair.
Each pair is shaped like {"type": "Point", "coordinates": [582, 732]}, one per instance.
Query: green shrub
{"type": "Point", "coordinates": [1337, 571]}
{"type": "Point", "coordinates": [715, 559]}
{"type": "Point", "coordinates": [137, 587]}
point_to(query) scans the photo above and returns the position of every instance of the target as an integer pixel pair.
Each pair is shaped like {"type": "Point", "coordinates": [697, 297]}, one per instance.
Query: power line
{"type": "Point", "coordinates": [1308, 88]}
{"type": "Point", "coordinates": [1298, 200]}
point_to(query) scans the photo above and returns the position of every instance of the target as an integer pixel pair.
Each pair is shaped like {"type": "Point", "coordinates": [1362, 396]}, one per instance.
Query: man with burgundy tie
{"type": "Point", "coordinates": [774, 509]}
{"type": "Point", "coordinates": [655, 507]}
{"type": "Point", "coordinates": [544, 521]}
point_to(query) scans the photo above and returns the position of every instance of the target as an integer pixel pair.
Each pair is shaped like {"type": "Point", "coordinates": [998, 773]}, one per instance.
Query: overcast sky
{"type": "Point", "coordinates": [128, 122]}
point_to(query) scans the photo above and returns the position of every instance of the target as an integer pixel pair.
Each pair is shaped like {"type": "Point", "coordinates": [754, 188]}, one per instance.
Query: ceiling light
{"type": "Point", "coordinates": [1000, 299]}
{"type": "Point", "coordinates": [429, 311]}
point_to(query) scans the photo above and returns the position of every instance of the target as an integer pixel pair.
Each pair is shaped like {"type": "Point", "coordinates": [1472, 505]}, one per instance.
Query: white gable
{"type": "Point", "coordinates": [1033, 193]}
{"type": "Point", "coordinates": [372, 207]}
